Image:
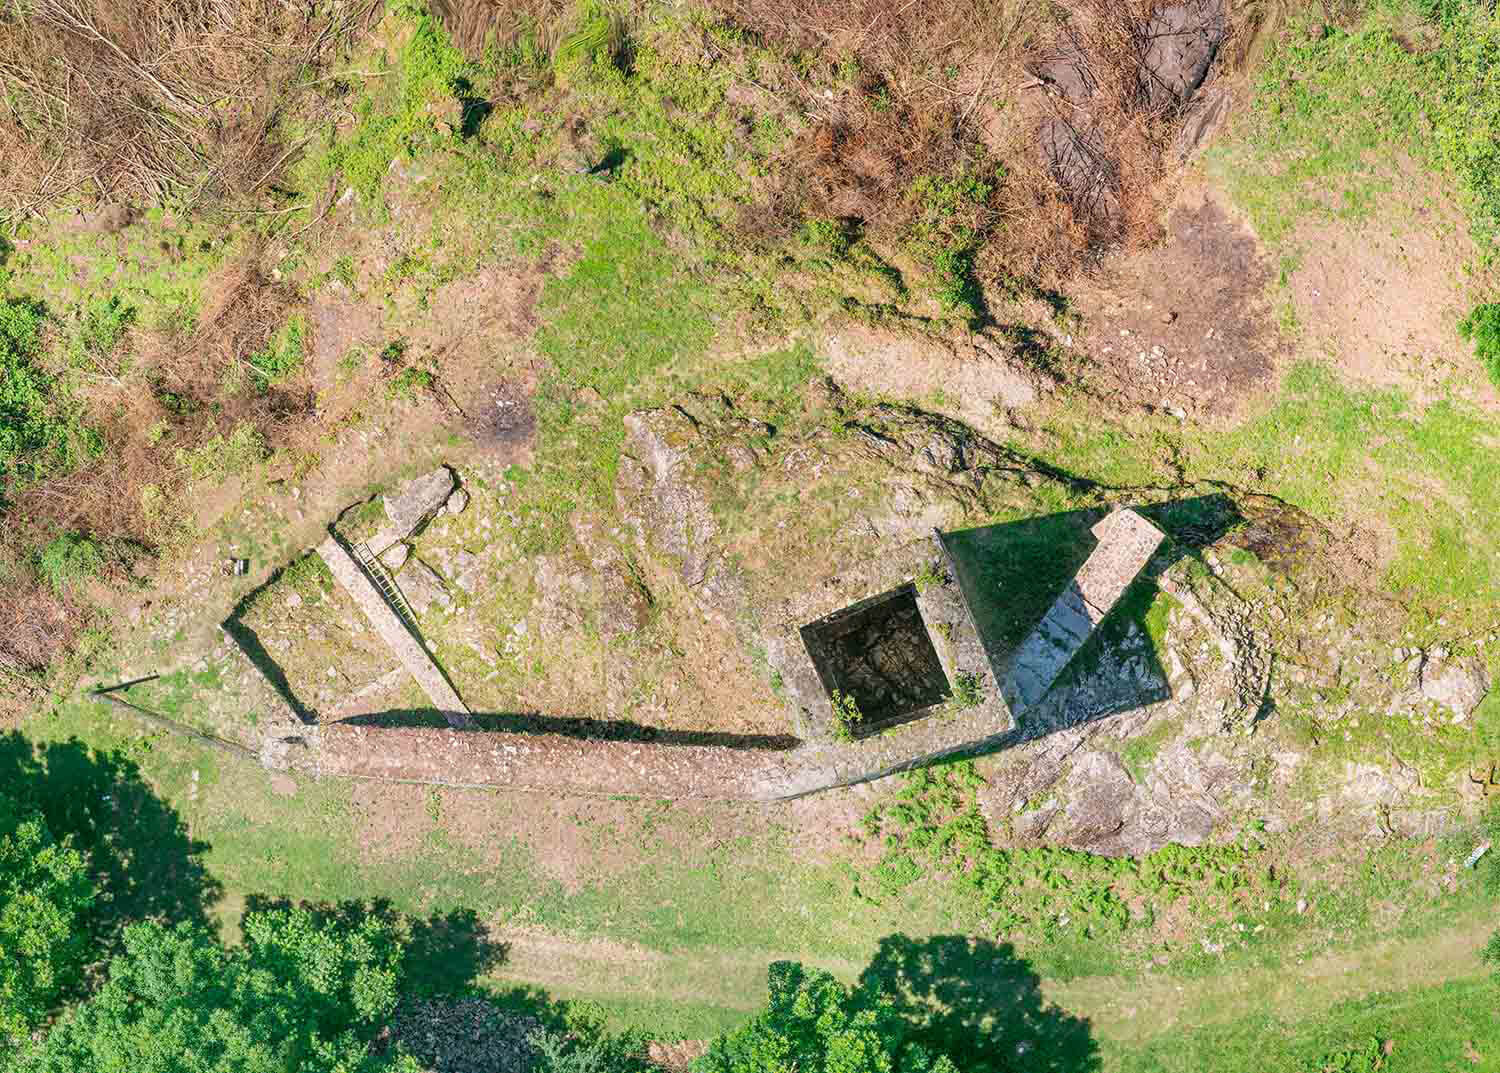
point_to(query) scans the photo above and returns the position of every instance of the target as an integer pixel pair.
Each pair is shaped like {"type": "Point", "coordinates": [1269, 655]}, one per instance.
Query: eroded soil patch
{"type": "Point", "coordinates": [1186, 325]}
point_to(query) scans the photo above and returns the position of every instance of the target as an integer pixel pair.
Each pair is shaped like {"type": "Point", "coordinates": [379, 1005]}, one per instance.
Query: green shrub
{"type": "Point", "coordinates": [831, 238]}
{"type": "Point", "coordinates": [44, 893]}
{"type": "Point", "coordinates": [69, 560]}
{"type": "Point", "coordinates": [1482, 328]}
{"type": "Point", "coordinates": [101, 324]}
{"type": "Point", "coordinates": [223, 456]}
{"type": "Point", "coordinates": [588, 1051]}
{"type": "Point", "coordinates": [812, 1023]}
{"type": "Point", "coordinates": [930, 576]}
{"type": "Point", "coordinates": [409, 383]}
{"type": "Point", "coordinates": [39, 427]}
{"type": "Point", "coordinates": [1367, 1057]}
{"type": "Point", "coordinates": [282, 355]}
{"type": "Point", "coordinates": [1490, 955]}
{"type": "Point", "coordinates": [302, 993]}
{"type": "Point", "coordinates": [966, 690]}
{"type": "Point", "coordinates": [846, 716]}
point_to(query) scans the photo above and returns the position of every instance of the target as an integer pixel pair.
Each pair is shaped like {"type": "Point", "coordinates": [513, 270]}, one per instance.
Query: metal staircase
{"type": "Point", "coordinates": [386, 585]}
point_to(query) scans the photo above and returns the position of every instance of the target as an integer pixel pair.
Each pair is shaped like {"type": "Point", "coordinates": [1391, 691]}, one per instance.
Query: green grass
{"type": "Point", "coordinates": [1451, 1027]}
{"type": "Point", "coordinates": [1342, 452]}
{"type": "Point", "coordinates": [1482, 328]}
{"type": "Point", "coordinates": [1335, 107]}
{"type": "Point", "coordinates": [1048, 894]}
{"type": "Point", "coordinates": [283, 354]}
{"type": "Point", "coordinates": [1139, 752]}
{"type": "Point", "coordinates": [156, 268]}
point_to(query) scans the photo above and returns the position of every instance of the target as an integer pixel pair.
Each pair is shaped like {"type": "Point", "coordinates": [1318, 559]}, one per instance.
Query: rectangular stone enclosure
{"type": "Point", "coordinates": [879, 652]}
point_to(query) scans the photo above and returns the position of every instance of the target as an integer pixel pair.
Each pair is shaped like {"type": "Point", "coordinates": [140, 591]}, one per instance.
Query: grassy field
{"type": "Point", "coordinates": [664, 915]}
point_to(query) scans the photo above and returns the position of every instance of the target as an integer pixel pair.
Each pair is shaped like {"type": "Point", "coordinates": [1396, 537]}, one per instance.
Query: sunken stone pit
{"type": "Point", "coordinates": [879, 654]}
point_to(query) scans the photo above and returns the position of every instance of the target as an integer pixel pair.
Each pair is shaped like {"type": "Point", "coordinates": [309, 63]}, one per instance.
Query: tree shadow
{"type": "Point", "coordinates": [979, 1003]}
{"type": "Point", "coordinates": [445, 956]}
{"type": "Point", "coordinates": [139, 852]}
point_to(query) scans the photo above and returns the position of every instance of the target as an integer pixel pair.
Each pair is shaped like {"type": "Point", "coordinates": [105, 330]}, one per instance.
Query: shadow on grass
{"type": "Point", "coordinates": [138, 849]}
{"type": "Point", "coordinates": [979, 1003]}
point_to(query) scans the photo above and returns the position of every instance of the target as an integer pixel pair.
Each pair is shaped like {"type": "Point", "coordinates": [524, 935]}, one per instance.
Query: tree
{"type": "Point", "coordinates": [815, 1024]}
{"type": "Point", "coordinates": [305, 993]}
{"type": "Point", "coordinates": [44, 894]}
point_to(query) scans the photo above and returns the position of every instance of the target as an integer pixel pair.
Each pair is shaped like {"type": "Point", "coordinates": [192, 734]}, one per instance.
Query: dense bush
{"type": "Point", "coordinates": [593, 1051]}
{"type": "Point", "coordinates": [1482, 328]}
{"type": "Point", "coordinates": [815, 1024]}
{"type": "Point", "coordinates": [303, 994]}
{"type": "Point", "coordinates": [34, 429]}
{"type": "Point", "coordinates": [44, 893]}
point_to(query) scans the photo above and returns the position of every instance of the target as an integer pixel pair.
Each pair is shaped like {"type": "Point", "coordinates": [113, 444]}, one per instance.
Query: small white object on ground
{"type": "Point", "coordinates": [1479, 851]}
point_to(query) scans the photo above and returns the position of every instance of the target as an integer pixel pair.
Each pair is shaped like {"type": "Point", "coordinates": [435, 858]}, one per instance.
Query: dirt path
{"type": "Point", "coordinates": [1122, 1010]}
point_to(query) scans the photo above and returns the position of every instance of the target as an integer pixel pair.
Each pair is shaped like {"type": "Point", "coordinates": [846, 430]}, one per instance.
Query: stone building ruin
{"type": "Point", "coordinates": [894, 640]}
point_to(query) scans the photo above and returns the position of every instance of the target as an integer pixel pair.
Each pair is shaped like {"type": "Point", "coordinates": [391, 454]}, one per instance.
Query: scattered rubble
{"type": "Point", "coordinates": [463, 1036]}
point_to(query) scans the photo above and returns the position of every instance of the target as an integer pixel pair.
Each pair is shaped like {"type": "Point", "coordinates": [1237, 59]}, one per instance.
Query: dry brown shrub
{"type": "Point", "coordinates": [141, 100]}
{"type": "Point", "coordinates": [141, 435]}
{"type": "Point", "coordinates": [859, 150]}
{"type": "Point", "coordinates": [475, 24]}
{"type": "Point", "coordinates": [36, 627]}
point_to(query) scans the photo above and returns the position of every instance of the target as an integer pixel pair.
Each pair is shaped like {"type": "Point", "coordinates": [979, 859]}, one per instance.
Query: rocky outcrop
{"type": "Point", "coordinates": [656, 492]}
{"type": "Point", "coordinates": [1099, 807]}
{"type": "Point", "coordinates": [1457, 684]}
{"type": "Point", "coordinates": [1245, 647]}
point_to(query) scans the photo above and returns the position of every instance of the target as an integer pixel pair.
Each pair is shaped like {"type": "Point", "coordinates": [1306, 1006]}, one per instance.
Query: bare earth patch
{"type": "Point", "coordinates": [1187, 324]}
{"type": "Point", "coordinates": [975, 382]}
{"type": "Point", "coordinates": [1384, 299]}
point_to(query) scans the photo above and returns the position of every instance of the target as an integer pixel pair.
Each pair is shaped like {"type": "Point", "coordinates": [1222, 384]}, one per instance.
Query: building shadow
{"type": "Point", "coordinates": [1011, 573]}
{"type": "Point", "coordinates": [244, 636]}
{"type": "Point", "coordinates": [579, 727]}
{"type": "Point", "coordinates": [977, 1002]}
{"type": "Point", "coordinates": [139, 852]}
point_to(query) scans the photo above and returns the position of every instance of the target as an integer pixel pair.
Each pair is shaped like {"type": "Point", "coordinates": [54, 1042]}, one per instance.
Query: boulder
{"type": "Point", "coordinates": [1458, 685]}
{"type": "Point", "coordinates": [980, 380]}
{"type": "Point", "coordinates": [1181, 42]}
{"type": "Point", "coordinates": [466, 571]}
{"type": "Point", "coordinates": [456, 502]}
{"type": "Point", "coordinates": [423, 588]}
{"type": "Point", "coordinates": [412, 505]}
{"type": "Point", "coordinates": [395, 556]}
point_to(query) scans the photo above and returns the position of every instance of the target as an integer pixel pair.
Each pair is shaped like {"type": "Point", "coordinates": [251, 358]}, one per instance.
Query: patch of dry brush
{"type": "Point", "coordinates": [140, 100]}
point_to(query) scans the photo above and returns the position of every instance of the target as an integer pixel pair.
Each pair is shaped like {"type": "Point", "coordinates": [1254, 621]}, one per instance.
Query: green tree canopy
{"type": "Point", "coordinates": [44, 892]}
{"type": "Point", "coordinates": [305, 993]}
{"type": "Point", "coordinates": [815, 1024]}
